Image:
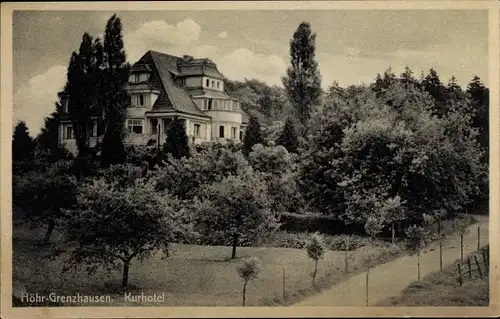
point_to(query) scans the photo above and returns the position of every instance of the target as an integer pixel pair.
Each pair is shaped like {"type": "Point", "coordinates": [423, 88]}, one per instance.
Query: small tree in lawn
{"type": "Point", "coordinates": [463, 229]}
{"type": "Point", "coordinates": [237, 209]}
{"type": "Point", "coordinates": [374, 226]}
{"type": "Point", "coordinates": [115, 224]}
{"type": "Point", "coordinates": [315, 248]}
{"type": "Point", "coordinates": [416, 238]}
{"type": "Point", "coordinates": [248, 270]}
{"type": "Point", "coordinates": [177, 142]}
{"type": "Point", "coordinates": [44, 195]}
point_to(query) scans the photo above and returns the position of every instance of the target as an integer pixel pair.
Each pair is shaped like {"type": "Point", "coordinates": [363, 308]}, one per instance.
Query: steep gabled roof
{"type": "Point", "coordinates": [172, 98]}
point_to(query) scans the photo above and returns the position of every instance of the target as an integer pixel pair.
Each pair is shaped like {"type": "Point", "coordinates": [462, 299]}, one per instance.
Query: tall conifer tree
{"type": "Point", "coordinates": [288, 137]}
{"type": "Point", "coordinates": [253, 135]}
{"type": "Point", "coordinates": [177, 142]}
{"type": "Point", "coordinates": [115, 98]}
{"type": "Point", "coordinates": [303, 80]}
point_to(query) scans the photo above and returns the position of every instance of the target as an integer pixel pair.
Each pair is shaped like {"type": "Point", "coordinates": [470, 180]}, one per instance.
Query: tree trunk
{"type": "Point", "coordinates": [48, 233]}
{"type": "Point", "coordinates": [315, 270]}
{"type": "Point", "coordinates": [235, 242]}
{"type": "Point", "coordinates": [418, 265]}
{"type": "Point", "coordinates": [126, 265]}
{"type": "Point", "coordinates": [439, 228]}
{"type": "Point", "coordinates": [244, 292]}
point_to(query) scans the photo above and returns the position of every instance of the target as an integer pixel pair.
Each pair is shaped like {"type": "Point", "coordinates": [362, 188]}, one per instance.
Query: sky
{"type": "Point", "coordinates": [352, 46]}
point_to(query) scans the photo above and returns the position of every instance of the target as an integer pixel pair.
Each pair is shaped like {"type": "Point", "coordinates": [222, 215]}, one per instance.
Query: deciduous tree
{"type": "Point", "coordinates": [236, 209]}
{"type": "Point", "coordinates": [113, 224]}
{"type": "Point", "coordinates": [315, 248]}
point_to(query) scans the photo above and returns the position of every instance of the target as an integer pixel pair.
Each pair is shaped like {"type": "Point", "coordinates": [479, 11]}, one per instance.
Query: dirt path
{"type": "Point", "coordinates": [390, 279]}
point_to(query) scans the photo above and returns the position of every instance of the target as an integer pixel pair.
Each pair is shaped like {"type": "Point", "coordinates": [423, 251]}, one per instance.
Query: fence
{"type": "Point", "coordinates": [475, 266]}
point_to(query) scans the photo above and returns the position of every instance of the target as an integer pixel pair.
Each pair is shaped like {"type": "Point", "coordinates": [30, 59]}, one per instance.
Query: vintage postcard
{"type": "Point", "coordinates": [250, 159]}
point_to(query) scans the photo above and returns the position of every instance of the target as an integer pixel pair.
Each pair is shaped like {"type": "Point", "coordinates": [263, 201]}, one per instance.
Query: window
{"type": "Point", "coordinates": [154, 126]}
{"type": "Point", "coordinates": [67, 132]}
{"type": "Point", "coordinates": [141, 100]}
{"type": "Point", "coordinates": [135, 126]}
{"type": "Point", "coordinates": [216, 105]}
{"type": "Point", "coordinates": [213, 83]}
{"type": "Point", "coordinates": [218, 84]}
{"type": "Point", "coordinates": [234, 106]}
{"type": "Point", "coordinates": [181, 82]}
{"type": "Point", "coordinates": [205, 104]}
{"type": "Point", "coordinates": [209, 104]}
{"type": "Point", "coordinates": [233, 132]}
{"type": "Point", "coordinates": [65, 105]}
{"type": "Point", "coordinates": [221, 131]}
{"type": "Point", "coordinates": [241, 135]}
{"type": "Point", "coordinates": [196, 130]}
{"type": "Point", "coordinates": [137, 78]}
{"type": "Point", "coordinates": [94, 129]}
{"type": "Point", "coordinates": [208, 83]}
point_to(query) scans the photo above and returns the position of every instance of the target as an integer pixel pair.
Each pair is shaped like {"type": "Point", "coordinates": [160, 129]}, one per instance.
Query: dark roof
{"type": "Point", "coordinates": [172, 98]}
{"type": "Point", "coordinates": [141, 86]}
{"type": "Point", "coordinates": [188, 66]}
{"type": "Point", "coordinates": [210, 94]}
{"type": "Point", "coordinates": [140, 66]}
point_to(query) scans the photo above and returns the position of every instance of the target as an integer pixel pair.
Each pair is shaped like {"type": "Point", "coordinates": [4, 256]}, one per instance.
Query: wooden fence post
{"type": "Point", "coordinates": [459, 274]}
{"type": "Point", "coordinates": [468, 264]}
{"type": "Point", "coordinates": [478, 267]}
{"type": "Point", "coordinates": [485, 260]}
{"type": "Point", "coordinates": [367, 271]}
{"type": "Point", "coordinates": [284, 284]}
{"type": "Point", "coordinates": [461, 247]}
{"type": "Point", "coordinates": [346, 244]}
{"type": "Point", "coordinates": [478, 237]}
{"type": "Point", "coordinates": [440, 253]}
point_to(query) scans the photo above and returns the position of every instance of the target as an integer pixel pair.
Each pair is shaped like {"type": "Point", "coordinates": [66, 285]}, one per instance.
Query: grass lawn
{"type": "Point", "coordinates": [442, 289]}
{"type": "Point", "coordinates": [192, 275]}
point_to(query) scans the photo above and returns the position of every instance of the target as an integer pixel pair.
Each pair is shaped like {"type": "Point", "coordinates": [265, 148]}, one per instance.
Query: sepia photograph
{"type": "Point", "coordinates": [235, 157]}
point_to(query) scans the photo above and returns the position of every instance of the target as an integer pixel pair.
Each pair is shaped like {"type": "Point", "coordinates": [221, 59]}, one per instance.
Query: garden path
{"type": "Point", "coordinates": [390, 279]}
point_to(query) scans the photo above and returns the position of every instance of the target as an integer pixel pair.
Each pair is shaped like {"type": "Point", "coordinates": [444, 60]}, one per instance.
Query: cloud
{"type": "Point", "coordinates": [243, 63]}
{"type": "Point", "coordinates": [161, 36]}
{"type": "Point", "coordinates": [204, 51]}
{"type": "Point", "coordinates": [222, 35]}
{"type": "Point", "coordinates": [35, 100]}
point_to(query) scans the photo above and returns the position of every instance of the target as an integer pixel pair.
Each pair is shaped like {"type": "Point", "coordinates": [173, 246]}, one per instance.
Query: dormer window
{"type": "Point", "coordinates": [208, 83]}
{"type": "Point", "coordinates": [65, 104]}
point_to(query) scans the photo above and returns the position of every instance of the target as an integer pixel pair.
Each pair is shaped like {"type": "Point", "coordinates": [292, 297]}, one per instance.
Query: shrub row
{"type": "Point", "coordinates": [284, 239]}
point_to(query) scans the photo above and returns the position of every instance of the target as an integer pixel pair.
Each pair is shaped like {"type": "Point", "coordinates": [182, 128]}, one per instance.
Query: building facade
{"type": "Point", "coordinates": [161, 87]}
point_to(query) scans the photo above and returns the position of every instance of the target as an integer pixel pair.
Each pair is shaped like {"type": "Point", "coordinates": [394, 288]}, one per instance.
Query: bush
{"type": "Point", "coordinates": [318, 223]}
{"type": "Point", "coordinates": [297, 240]}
